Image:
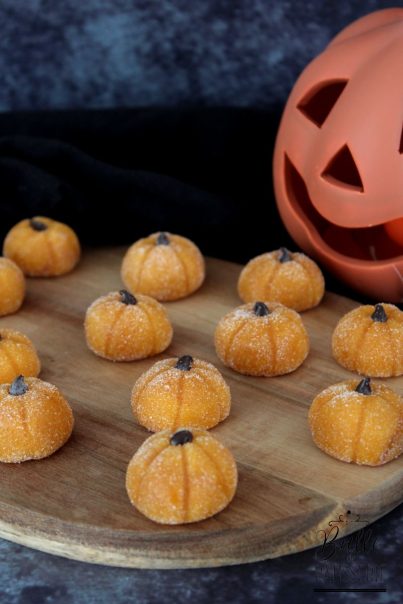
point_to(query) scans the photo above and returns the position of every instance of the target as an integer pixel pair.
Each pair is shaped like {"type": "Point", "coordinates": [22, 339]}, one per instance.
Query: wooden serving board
{"type": "Point", "coordinates": [74, 503]}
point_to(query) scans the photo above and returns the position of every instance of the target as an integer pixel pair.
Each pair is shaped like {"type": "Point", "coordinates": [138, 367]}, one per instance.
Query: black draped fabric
{"type": "Point", "coordinates": [117, 175]}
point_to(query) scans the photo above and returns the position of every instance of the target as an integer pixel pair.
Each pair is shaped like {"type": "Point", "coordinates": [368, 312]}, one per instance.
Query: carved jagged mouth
{"type": "Point", "coordinates": [369, 243]}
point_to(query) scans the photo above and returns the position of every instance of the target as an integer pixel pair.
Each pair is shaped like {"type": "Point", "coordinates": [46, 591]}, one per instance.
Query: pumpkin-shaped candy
{"type": "Point", "coordinates": [35, 420]}
{"type": "Point", "coordinates": [12, 287]}
{"type": "Point", "coordinates": [183, 476]}
{"type": "Point", "coordinates": [123, 327]}
{"type": "Point", "coordinates": [164, 266]}
{"type": "Point", "coordinates": [180, 392]}
{"type": "Point", "coordinates": [262, 338]}
{"type": "Point", "coordinates": [292, 279]}
{"type": "Point", "coordinates": [17, 356]}
{"type": "Point", "coordinates": [369, 340]}
{"type": "Point", "coordinates": [358, 422]}
{"type": "Point", "coordinates": [42, 247]}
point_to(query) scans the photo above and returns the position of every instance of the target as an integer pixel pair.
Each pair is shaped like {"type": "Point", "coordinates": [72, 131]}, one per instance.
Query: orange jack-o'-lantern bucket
{"type": "Point", "coordinates": [338, 161]}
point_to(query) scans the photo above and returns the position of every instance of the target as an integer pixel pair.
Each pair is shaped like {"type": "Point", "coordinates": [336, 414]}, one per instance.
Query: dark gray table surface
{"type": "Point", "coordinates": [371, 560]}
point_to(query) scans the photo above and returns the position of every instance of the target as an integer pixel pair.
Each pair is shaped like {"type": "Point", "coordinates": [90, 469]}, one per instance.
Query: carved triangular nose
{"type": "Point", "coordinates": [342, 170]}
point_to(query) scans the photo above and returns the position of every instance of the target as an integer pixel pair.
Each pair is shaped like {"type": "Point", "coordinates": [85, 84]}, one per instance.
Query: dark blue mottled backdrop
{"type": "Point", "coordinates": [100, 53]}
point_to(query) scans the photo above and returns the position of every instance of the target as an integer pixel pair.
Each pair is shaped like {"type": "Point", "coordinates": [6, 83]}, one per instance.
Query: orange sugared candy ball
{"type": "Point", "coordinates": [17, 356]}
{"type": "Point", "coordinates": [123, 327]}
{"type": "Point", "coordinates": [12, 287]}
{"type": "Point", "coordinates": [164, 266]}
{"type": "Point", "coordinates": [181, 392]}
{"type": "Point", "coordinates": [358, 422]}
{"type": "Point", "coordinates": [369, 340]}
{"type": "Point", "coordinates": [262, 338]}
{"type": "Point", "coordinates": [35, 420]}
{"type": "Point", "coordinates": [292, 279]}
{"type": "Point", "coordinates": [181, 477]}
{"type": "Point", "coordinates": [42, 247]}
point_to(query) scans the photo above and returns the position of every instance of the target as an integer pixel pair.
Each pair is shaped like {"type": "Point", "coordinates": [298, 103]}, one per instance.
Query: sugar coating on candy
{"type": "Point", "coordinates": [292, 279]}
{"type": "Point", "coordinates": [357, 427]}
{"type": "Point", "coordinates": [166, 396]}
{"type": "Point", "coordinates": [17, 356]}
{"type": "Point", "coordinates": [33, 424]}
{"type": "Point", "coordinates": [269, 345]}
{"type": "Point", "coordinates": [12, 287]}
{"type": "Point", "coordinates": [367, 346]}
{"type": "Point", "coordinates": [125, 332]}
{"type": "Point", "coordinates": [164, 266]}
{"type": "Point", "coordinates": [42, 247]}
{"type": "Point", "coordinates": [179, 484]}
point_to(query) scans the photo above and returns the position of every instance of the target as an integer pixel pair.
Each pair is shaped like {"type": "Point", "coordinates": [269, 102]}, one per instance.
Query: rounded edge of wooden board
{"type": "Point", "coordinates": [162, 550]}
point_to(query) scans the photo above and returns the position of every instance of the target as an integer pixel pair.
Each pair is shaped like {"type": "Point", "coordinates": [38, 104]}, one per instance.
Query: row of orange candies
{"type": "Point", "coordinates": [270, 340]}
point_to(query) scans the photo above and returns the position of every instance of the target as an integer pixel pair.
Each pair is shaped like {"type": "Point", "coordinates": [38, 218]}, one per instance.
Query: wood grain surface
{"type": "Point", "coordinates": [74, 503]}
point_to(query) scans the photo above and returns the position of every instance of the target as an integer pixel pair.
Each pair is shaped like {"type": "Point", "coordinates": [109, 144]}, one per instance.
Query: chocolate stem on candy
{"type": "Point", "coordinates": [285, 255]}
{"type": "Point", "coordinates": [163, 239]}
{"type": "Point", "coordinates": [127, 297]}
{"type": "Point", "coordinates": [181, 437]}
{"type": "Point", "coordinates": [260, 309]}
{"type": "Point", "coordinates": [184, 363]}
{"type": "Point", "coordinates": [364, 387]}
{"type": "Point", "coordinates": [379, 314]}
{"type": "Point", "coordinates": [37, 225]}
{"type": "Point", "coordinates": [18, 386]}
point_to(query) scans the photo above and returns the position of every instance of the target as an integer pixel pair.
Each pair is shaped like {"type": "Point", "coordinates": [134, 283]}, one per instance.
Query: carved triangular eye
{"type": "Point", "coordinates": [342, 170]}
{"type": "Point", "coordinates": [318, 103]}
{"type": "Point", "coordinates": [401, 143]}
